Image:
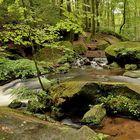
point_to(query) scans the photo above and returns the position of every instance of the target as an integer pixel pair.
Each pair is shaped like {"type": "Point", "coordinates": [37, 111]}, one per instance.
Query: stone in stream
{"type": "Point", "coordinates": [95, 115]}
{"type": "Point", "coordinates": [17, 104]}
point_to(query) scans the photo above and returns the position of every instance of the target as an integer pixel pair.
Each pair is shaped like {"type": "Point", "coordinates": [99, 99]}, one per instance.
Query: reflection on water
{"type": "Point", "coordinates": [87, 74]}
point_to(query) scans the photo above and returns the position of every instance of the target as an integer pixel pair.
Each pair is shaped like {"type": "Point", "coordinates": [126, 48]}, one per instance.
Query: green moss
{"type": "Point", "coordinates": [49, 54]}
{"type": "Point", "coordinates": [80, 48]}
{"type": "Point", "coordinates": [67, 89]}
{"type": "Point", "coordinates": [131, 67]}
{"type": "Point", "coordinates": [114, 65]}
{"type": "Point", "coordinates": [95, 115]}
{"type": "Point", "coordinates": [133, 74]}
{"type": "Point", "coordinates": [124, 48]}
{"type": "Point", "coordinates": [102, 44]}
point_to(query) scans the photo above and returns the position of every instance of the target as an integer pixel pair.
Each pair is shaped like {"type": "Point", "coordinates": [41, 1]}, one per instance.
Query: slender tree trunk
{"type": "Point", "coordinates": [108, 15]}
{"type": "Point", "coordinates": [93, 24]}
{"type": "Point", "coordinates": [124, 16]}
{"type": "Point", "coordinates": [61, 11]}
{"type": "Point", "coordinates": [135, 14]}
{"type": "Point", "coordinates": [69, 5]}
{"type": "Point", "coordinates": [32, 45]}
{"type": "Point", "coordinates": [113, 17]}
{"type": "Point", "coordinates": [38, 73]}
{"type": "Point", "coordinates": [86, 17]}
{"type": "Point", "coordinates": [97, 15]}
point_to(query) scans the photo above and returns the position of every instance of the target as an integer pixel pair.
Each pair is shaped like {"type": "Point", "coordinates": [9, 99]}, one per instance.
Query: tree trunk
{"type": "Point", "coordinates": [124, 16]}
{"type": "Point", "coordinates": [69, 5]}
{"type": "Point", "coordinates": [93, 24]}
{"type": "Point", "coordinates": [97, 15]}
{"type": "Point", "coordinates": [61, 11]}
{"type": "Point", "coordinates": [36, 65]}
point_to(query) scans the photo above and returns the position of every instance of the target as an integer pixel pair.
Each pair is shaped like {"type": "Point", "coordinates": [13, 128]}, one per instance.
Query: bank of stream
{"type": "Point", "coordinates": [118, 128]}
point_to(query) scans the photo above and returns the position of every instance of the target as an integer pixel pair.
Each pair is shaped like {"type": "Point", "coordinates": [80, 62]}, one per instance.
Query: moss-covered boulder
{"type": "Point", "coordinates": [102, 44]}
{"type": "Point", "coordinates": [124, 53]}
{"type": "Point", "coordinates": [95, 115]}
{"type": "Point", "coordinates": [84, 133]}
{"type": "Point", "coordinates": [132, 74]}
{"type": "Point", "coordinates": [74, 97]}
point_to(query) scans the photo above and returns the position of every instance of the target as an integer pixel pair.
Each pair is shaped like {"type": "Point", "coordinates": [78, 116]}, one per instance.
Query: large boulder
{"type": "Point", "coordinates": [95, 115]}
{"type": "Point", "coordinates": [124, 53]}
{"type": "Point", "coordinates": [74, 97]}
{"type": "Point", "coordinates": [84, 133]}
{"type": "Point", "coordinates": [18, 126]}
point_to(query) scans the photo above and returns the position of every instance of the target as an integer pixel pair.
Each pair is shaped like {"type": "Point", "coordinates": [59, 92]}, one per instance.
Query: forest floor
{"type": "Point", "coordinates": [121, 128]}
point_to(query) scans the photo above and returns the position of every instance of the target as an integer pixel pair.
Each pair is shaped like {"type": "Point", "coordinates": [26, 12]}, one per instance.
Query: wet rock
{"type": "Point", "coordinates": [99, 63]}
{"type": "Point", "coordinates": [95, 115]}
{"type": "Point", "coordinates": [82, 61]}
{"type": "Point", "coordinates": [16, 104]}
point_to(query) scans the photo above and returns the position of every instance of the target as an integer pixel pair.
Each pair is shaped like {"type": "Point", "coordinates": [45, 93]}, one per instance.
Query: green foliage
{"type": "Point", "coordinates": [38, 101]}
{"type": "Point", "coordinates": [64, 68]}
{"type": "Point", "coordinates": [121, 105]}
{"type": "Point", "coordinates": [12, 69]}
{"type": "Point", "coordinates": [70, 24]}
{"type": "Point", "coordinates": [47, 12]}
{"type": "Point", "coordinates": [22, 34]}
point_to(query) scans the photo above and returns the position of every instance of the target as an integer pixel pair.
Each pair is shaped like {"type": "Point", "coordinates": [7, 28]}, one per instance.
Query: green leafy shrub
{"type": "Point", "coordinates": [12, 69]}
{"type": "Point", "coordinates": [64, 68]}
{"type": "Point", "coordinates": [38, 101]}
{"type": "Point", "coordinates": [121, 105]}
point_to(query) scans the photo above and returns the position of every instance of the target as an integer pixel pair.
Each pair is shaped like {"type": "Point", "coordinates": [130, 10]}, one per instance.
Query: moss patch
{"type": "Point", "coordinates": [124, 47]}
{"type": "Point", "coordinates": [124, 53]}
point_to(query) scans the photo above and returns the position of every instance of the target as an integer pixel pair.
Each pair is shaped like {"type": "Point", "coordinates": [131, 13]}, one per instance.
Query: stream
{"type": "Point", "coordinates": [117, 128]}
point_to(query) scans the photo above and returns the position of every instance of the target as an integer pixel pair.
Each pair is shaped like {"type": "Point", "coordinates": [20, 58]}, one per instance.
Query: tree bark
{"type": "Point", "coordinates": [93, 24]}
{"type": "Point", "coordinates": [124, 16]}
{"type": "Point", "coordinates": [97, 15]}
